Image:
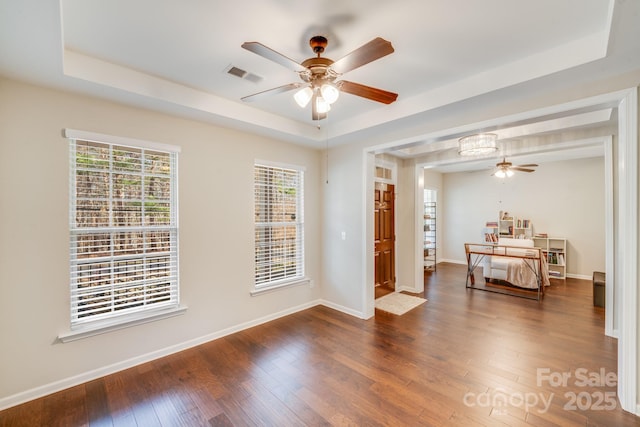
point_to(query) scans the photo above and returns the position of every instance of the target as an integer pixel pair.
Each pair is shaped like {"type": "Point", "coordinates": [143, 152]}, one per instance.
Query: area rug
{"type": "Point", "coordinates": [398, 303]}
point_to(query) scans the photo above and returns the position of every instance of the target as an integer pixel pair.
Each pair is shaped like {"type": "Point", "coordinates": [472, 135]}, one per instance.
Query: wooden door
{"type": "Point", "coordinates": [384, 235]}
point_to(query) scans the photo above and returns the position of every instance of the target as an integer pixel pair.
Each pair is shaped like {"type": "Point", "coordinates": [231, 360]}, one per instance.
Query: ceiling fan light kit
{"type": "Point", "coordinates": [506, 169]}
{"type": "Point", "coordinates": [319, 75]}
{"type": "Point", "coordinates": [504, 173]}
{"type": "Point", "coordinates": [303, 96]}
{"type": "Point", "coordinates": [329, 92]}
{"type": "Point", "coordinates": [322, 106]}
{"type": "Point", "coordinates": [477, 144]}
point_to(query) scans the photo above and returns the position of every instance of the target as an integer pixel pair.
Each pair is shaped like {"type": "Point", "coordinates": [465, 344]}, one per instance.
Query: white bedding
{"type": "Point", "coordinates": [517, 271]}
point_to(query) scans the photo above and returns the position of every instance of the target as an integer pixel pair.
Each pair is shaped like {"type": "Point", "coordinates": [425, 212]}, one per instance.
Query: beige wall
{"type": "Point", "coordinates": [405, 226]}
{"type": "Point", "coordinates": [216, 237]}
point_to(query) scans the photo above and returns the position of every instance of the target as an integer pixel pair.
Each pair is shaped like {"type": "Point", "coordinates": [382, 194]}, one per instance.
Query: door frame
{"type": "Point", "coordinates": [626, 218]}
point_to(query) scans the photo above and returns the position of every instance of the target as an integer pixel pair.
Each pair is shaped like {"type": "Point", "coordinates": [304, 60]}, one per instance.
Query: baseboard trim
{"type": "Point", "coordinates": [75, 380]}
{"type": "Point", "coordinates": [579, 276]}
{"type": "Point", "coordinates": [407, 289]}
{"type": "Point", "coordinates": [453, 261]}
{"type": "Point", "coordinates": [343, 309]}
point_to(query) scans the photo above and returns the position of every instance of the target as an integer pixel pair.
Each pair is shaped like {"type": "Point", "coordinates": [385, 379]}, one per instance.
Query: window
{"type": "Point", "coordinates": [123, 230]}
{"type": "Point", "coordinates": [279, 226]}
{"type": "Point", "coordinates": [385, 171]}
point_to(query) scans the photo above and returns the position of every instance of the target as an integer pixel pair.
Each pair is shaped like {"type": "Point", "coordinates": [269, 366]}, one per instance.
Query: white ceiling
{"type": "Point", "coordinates": [172, 55]}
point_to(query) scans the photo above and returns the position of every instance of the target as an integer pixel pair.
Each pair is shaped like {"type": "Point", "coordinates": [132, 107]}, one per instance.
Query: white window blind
{"type": "Point", "coordinates": [279, 225]}
{"type": "Point", "coordinates": [123, 230]}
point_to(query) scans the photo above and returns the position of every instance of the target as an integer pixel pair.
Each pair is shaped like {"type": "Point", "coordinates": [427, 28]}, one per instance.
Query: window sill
{"type": "Point", "coordinates": [276, 287]}
{"type": "Point", "coordinates": [116, 324]}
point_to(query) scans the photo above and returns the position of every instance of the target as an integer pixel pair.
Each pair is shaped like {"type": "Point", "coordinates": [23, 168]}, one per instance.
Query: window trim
{"type": "Point", "coordinates": [118, 140]}
{"type": "Point", "coordinates": [258, 289]}
{"type": "Point", "coordinates": [119, 321]}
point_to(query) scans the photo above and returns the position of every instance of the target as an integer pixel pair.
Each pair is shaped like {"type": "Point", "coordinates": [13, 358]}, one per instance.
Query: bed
{"type": "Point", "coordinates": [514, 261]}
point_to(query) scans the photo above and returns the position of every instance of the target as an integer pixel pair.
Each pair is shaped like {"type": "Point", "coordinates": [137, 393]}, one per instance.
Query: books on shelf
{"type": "Point", "coordinates": [555, 257]}
{"type": "Point", "coordinates": [560, 259]}
{"type": "Point", "coordinates": [490, 238]}
{"type": "Point", "coordinates": [523, 223]}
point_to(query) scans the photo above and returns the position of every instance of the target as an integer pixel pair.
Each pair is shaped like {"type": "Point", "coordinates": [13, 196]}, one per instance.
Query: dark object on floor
{"type": "Point", "coordinates": [599, 280]}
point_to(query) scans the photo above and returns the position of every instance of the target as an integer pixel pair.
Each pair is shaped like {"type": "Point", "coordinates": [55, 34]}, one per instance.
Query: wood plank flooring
{"type": "Point", "coordinates": [465, 357]}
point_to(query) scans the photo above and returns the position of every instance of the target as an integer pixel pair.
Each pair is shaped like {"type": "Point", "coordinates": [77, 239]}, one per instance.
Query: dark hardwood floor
{"type": "Point", "coordinates": [465, 357]}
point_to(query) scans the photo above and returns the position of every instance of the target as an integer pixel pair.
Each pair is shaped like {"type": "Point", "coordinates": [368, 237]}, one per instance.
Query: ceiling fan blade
{"type": "Point", "coordinates": [517, 168]}
{"type": "Point", "coordinates": [375, 49]}
{"type": "Point", "coordinates": [368, 92]}
{"type": "Point", "coordinates": [272, 55]}
{"type": "Point", "coordinates": [531, 165]}
{"type": "Point", "coordinates": [275, 90]}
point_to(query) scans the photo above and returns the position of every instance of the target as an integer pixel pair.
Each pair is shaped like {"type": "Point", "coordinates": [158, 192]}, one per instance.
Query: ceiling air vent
{"type": "Point", "coordinates": [239, 72]}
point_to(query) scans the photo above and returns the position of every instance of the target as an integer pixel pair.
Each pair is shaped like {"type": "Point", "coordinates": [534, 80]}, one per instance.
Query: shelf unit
{"type": "Point", "coordinates": [507, 226]}
{"type": "Point", "coordinates": [429, 233]}
{"type": "Point", "coordinates": [555, 249]}
{"type": "Point", "coordinates": [513, 227]}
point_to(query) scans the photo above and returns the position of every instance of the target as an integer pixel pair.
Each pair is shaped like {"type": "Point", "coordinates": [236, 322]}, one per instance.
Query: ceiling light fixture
{"type": "Point", "coordinates": [504, 173]}
{"type": "Point", "coordinates": [476, 144]}
{"type": "Point", "coordinates": [326, 94]}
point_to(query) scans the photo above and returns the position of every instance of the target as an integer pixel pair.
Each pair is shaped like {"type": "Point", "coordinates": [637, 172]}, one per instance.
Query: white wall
{"type": "Point", "coordinates": [405, 228]}
{"type": "Point", "coordinates": [343, 197]}
{"type": "Point", "coordinates": [216, 236]}
{"type": "Point", "coordinates": [563, 199]}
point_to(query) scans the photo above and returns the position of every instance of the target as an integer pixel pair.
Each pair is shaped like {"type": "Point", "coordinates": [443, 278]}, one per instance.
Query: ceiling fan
{"type": "Point", "coordinates": [319, 75]}
{"type": "Point", "coordinates": [506, 169]}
